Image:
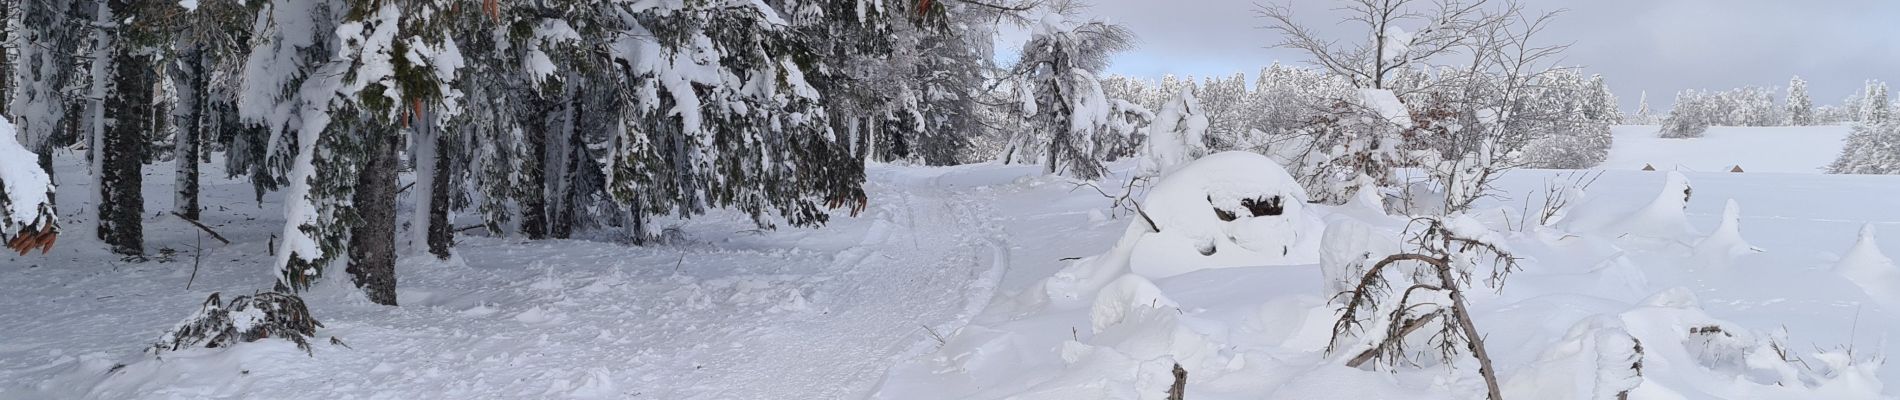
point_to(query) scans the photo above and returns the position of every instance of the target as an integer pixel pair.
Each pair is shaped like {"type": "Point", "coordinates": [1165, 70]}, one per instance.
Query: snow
{"type": "Point", "coordinates": [947, 288]}
{"type": "Point", "coordinates": [1386, 105]}
{"type": "Point", "coordinates": [1793, 149]}
{"type": "Point", "coordinates": [1869, 268]}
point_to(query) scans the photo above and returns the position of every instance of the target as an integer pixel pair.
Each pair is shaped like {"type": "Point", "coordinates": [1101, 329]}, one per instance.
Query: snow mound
{"type": "Point", "coordinates": [1869, 268]}
{"type": "Point", "coordinates": [1224, 210]}
{"type": "Point", "coordinates": [1661, 218]}
{"type": "Point", "coordinates": [1723, 246]}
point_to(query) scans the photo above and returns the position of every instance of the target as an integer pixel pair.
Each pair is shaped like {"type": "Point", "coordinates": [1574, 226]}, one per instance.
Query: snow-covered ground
{"type": "Point", "coordinates": [736, 314]}
{"type": "Point", "coordinates": [941, 291]}
{"type": "Point", "coordinates": [1781, 149]}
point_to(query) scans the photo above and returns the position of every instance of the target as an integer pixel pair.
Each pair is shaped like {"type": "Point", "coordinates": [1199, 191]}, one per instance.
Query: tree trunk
{"type": "Point", "coordinates": [441, 235]}
{"type": "Point", "coordinates": [373, 240]}
{"type": "Point", "coordinates": [188, 73]}
{"type": "Point", "coordinates": [533, 201]}
{"type": "Point", "coordinates": [121, 153]}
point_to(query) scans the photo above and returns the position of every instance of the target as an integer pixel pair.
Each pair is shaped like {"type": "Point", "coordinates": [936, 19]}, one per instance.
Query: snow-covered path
{"type": "Point", "coordinates": [734, 314]}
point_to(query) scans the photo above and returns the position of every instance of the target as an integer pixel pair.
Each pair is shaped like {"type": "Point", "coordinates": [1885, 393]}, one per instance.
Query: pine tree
{"type": "Point", "coordinates": [1800, 107]}
{"type": "Point", "coordinates": [1876, 106]}
{"type": "Point", "coordinates": [124, 72]}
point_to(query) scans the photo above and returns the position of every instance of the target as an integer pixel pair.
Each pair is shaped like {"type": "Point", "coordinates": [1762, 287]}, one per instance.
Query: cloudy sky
{"type": "Point", "coordinates": [1658, 46]}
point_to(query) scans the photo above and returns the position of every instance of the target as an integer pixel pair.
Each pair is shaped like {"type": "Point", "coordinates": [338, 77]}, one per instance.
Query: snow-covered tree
{"type": "Point", "coordinates": [46, 38]}
{"type": "Point", "coordinates": [1063, 97]}
{"type": "Point", "coordinates": [1227, 111]}
{"type": "Point", "coordinates": [1869, 149]}
{"type": "Point", "coordinates": [1176, 137]}
{"type": "Point", "coordinates": [1800, 107]}
{"type": "Point", "coordinates": [1690, 117]}
{"type": "Point", "coordinates": [1876, 105]}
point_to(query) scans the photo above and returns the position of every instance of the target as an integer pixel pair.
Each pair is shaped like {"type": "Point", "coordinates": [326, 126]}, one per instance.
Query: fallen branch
{"type": "Point", "coordinates": [207, 229]}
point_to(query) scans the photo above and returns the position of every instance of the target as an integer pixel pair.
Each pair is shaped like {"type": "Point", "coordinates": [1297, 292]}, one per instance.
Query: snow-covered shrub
{"type": "Point", "coordinates": [1354, 147]}
{"type": "Point", "coordinates": [244, 319]}
{"type": "Point", "coordinates": [1176, 136]}
{"type": "Point", "coordinates": [27, 221]}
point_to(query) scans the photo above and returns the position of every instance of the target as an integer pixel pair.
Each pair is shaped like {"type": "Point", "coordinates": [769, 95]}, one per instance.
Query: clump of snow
{"type": "Point", "coordinates": [1126, 296]}
{"type": "Point", "coordinates": [1872, 270]}
{"type": "Point", "coordinates": [1726, 243]}
{"type": "Point", "coordinates": [1387, 106]}
{"type": "Point", "coordinates": [1349, 247]}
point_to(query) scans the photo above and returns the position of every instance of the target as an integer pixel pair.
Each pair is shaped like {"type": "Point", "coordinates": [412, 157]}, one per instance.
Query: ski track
{"type": "Point", "coordinates": [793, 313]}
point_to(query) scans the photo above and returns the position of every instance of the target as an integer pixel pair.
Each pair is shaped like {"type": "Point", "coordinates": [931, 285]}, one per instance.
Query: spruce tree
{"type": "Point", "coordinates": [1800, 107]}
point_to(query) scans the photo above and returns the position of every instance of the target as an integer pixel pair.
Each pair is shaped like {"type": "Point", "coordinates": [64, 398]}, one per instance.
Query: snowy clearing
{"type": "Point", "coordinates": [1781, 149]}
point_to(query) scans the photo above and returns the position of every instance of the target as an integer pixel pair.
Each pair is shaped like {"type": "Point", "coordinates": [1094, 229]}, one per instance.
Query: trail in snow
{"type": "Point", "coordinates": [792, 313]}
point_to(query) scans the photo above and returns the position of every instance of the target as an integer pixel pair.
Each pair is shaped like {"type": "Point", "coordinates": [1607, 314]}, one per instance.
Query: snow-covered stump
{"type": "Point", "coordinates": [1721, 248]}
{"type": "Point", "coordinates": [1866, 266]}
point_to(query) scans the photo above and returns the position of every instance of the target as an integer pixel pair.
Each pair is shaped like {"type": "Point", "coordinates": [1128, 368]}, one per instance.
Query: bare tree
{"type": "Point", "coordinates": [1445, 252]}
{"type": "Point", "coordinates": [1492, 98]}
{"type": "Point", "coordinates": [1447, 26]}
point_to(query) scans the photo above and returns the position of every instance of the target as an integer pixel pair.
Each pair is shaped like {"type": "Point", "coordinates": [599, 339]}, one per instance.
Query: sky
{"type": "Point", "coordinates": [1654, 46]}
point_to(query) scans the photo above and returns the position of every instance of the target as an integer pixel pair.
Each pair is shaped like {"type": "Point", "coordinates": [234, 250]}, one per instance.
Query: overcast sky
{"type": "Point", "coordinates": [1659, 46]}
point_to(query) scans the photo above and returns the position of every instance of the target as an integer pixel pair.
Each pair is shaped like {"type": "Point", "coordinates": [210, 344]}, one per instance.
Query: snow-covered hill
{"type": "Point", "coordinates": [1795, 149]}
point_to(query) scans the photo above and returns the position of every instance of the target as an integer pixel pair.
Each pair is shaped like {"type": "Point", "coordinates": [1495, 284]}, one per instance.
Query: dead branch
{"type": "Point", "coordinates": [1178, 391]}
{"type": "Point", "coordinates": [207, 229]}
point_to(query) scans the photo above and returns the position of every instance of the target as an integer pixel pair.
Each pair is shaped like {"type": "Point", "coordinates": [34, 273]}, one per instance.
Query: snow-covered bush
{"type": "Point", "coordinates": [244, 319]}
{"type": "Point", "coordinates": [27, 221]}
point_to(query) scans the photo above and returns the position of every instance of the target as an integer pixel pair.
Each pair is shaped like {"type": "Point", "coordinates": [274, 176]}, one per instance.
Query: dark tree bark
{"type": "Point", "coordinates": [533, 201]}
{"type": "Point", "coordinates": [122, 153]}
{"type": "Point", "coordinates": [372, 264]}
{"type": "Point", "coordinates": [441, 235]}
